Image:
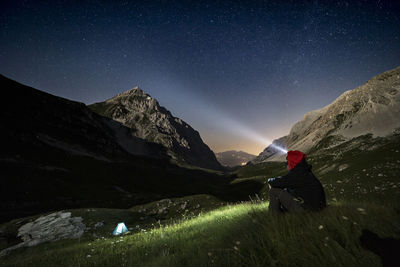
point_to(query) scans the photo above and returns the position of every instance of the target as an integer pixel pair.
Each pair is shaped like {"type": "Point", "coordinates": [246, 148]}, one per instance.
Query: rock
{"type": "Point", "coordinates": [343, 167]}
{"type": "Point", "coordinates": [164, 202]}
{"type": "Point", "coordinates": [327, 168]}
{"type": "Point", "coordinates": [184, 206]}
{"type": "Point", "coordinates": [52, 227]}
{"type": "Point", "coordinates": [162, 210]}
{"type": "Point", "coordinates": [142, 210]}
{"type": "Point", "coordinates": [99, 224]}
{"type": "Point", "coordinates": [65, 215]}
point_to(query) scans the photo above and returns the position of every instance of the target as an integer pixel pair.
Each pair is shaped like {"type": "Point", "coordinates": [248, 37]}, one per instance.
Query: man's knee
{"type": "Point", "coordinates": [285, 199]}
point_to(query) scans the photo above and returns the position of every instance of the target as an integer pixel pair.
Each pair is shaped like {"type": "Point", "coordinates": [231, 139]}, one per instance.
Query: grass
{"type": "Point", "coordinates": [235, 235]}
{"type": "Point", "coordinates": [363, 169]}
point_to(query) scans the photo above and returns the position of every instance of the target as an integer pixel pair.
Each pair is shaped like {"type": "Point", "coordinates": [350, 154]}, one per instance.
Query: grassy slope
{"type": "Point", "coordinates": [245, 235]}
{"type": "Point", "coordinates": [237, 235]}
{"type": "Point", "coordinates": [365, 169]}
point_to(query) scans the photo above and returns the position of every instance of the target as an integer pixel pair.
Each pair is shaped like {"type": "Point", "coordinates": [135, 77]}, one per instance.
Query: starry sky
{"type": "Point", "coordinates": [240, 72]}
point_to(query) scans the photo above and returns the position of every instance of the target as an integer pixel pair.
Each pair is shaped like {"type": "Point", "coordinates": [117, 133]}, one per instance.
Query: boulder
{"type": "Point", "coordinates": [52, 227]}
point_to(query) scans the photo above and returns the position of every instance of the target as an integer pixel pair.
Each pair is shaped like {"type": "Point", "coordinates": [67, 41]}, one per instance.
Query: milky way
{"type": "Point", "coordinates": [226, 68]}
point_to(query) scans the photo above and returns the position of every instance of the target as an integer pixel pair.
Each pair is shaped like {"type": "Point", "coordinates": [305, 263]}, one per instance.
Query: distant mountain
{"type": "Point", "coordinates": [372, 108]}
{"type": "Point", "coordinates": [234, 158]}
{"type": "Point", "coordinates": [148, 120]}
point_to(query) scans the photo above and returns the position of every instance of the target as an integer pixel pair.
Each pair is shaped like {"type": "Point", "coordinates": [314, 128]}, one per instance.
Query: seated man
{"type": "Point", "coordinates": [298, 190]}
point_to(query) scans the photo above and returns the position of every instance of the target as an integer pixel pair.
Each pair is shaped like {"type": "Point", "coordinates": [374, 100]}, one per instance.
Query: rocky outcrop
{"type": "Point", "coordinates": [372, 108]}
{"type": "Point", "coordinates": [49, 228]}
{"type": "Point", "coordinates": [149, 121]}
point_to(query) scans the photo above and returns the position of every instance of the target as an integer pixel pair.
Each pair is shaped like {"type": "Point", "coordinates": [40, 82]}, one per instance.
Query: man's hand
{"type": "Point", "coordinates": [272, 179]}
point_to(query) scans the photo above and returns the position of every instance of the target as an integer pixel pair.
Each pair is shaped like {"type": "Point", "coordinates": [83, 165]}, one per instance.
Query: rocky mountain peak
{"type": "Point", "coordinates": [134, 91]}
{"type": "Point", "coordinates": [134, 94]}
{"type": "Point", "coordinates": [152, 122]}
{"type": "Point", "coordinates": [133, 100]}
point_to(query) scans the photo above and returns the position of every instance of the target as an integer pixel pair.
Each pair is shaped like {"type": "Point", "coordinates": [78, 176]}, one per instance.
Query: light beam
{"type": "Point", "coordinates": [244, 131]}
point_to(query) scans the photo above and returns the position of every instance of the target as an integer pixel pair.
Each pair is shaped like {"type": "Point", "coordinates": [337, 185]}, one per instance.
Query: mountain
{"type": "Point", "coordinates": [271, 150]}
{"type": "Point", "coordinates": [372, 108]}
{"type": "Point", "coordinates": [30, 117]}
{"type": "Point", "coordinates": [58, 154]}
{"type": "Point", "coordinates": [234, 158]}
{"type": "Point", "coordinates": [148, 120]}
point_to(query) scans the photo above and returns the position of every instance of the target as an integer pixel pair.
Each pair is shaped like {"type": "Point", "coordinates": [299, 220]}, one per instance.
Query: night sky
{"type": "Point", "coordinates": [241, 73]}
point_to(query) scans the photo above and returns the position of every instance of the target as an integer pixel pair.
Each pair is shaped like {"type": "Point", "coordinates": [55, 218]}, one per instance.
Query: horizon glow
{"type": "Point", "coordinates": [233, 126]}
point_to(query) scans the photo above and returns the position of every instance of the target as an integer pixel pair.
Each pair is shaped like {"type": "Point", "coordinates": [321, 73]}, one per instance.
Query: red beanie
{"type": "Point", "coordinates": [294, 158]}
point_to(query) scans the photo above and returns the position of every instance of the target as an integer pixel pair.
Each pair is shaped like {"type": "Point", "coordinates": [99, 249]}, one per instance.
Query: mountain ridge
{"type": "Point", "coordinates": [371, 108]}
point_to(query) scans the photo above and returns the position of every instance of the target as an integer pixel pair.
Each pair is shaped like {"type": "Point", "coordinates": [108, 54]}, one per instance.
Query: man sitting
{"type": "Point", "coordinates": [298, 190]}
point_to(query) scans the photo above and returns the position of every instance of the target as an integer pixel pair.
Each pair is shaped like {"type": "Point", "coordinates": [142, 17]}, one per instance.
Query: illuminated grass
{"type": "Point", "coordinates": [200, 233]}
{"type": "Point", "coordinates": [237, 235]}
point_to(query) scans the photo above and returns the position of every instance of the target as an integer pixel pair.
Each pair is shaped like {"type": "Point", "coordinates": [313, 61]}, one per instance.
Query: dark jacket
{"type": "Point", "coordinates": [303, 185]}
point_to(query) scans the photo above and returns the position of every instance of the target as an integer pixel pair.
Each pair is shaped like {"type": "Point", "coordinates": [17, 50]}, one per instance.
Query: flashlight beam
{"type": "Point", "coordinates": [279, 148]}
{"type": "Point", "coordinates": [226, 122]}
{"type": "Point", "coordinates": [248, 133]}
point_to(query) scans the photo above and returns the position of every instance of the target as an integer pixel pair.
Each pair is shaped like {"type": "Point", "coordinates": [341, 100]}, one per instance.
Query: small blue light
{"type": "Point", "coordinates": [120, 229]}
